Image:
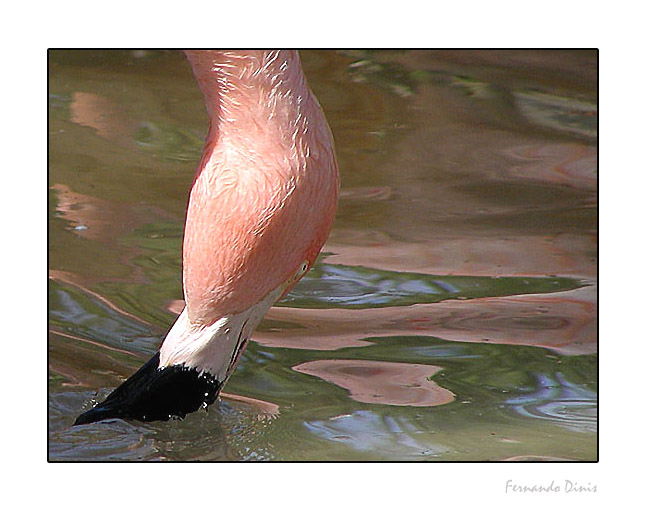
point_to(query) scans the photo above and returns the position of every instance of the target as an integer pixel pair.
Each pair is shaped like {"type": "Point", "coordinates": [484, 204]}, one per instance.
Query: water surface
{"type": "Point", "coordinates": [451, 316]}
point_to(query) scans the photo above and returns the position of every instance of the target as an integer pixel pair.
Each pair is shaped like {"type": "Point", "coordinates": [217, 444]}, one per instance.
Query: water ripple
{"type": "Point", "coordinates": [556, 399]}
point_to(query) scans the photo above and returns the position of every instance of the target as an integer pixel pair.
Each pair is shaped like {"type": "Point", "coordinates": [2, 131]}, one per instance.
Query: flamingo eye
{"type": "Point", "coordinates": [302, 269]}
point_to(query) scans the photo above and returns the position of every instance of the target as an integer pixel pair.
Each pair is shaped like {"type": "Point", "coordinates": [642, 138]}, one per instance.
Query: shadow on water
{"type": "Point", "coordinates": [452, 315]}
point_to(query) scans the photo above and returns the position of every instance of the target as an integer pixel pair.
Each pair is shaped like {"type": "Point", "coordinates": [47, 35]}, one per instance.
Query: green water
{"type": "Point", "coordinates": [451, 316]}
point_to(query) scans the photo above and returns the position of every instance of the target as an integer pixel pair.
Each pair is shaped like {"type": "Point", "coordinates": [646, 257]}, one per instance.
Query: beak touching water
{"type": "Point", "coordinates": [186, 374]}
{"type": "Point", "coordinates": [261, 207]}
{"type": "Point", "coordinates": [191, 367]}
{"type": "Point", "coordinates": [154, 393]}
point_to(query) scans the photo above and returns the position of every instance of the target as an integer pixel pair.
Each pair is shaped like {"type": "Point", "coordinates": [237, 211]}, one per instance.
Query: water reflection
{"type": "Point", "coordinates": [465, 249]}
{"type": "Point", "coordinates": [100, 114]}
{"type": "Point", "coordinates": [381, 382]}
{"type": "Point", "coordinates": [376, 435]}
{"type": "Point", "coordinates": [118, 440]}
{"type": "Point", "coordinates": [554, 398]}
{"type": "Point", "coordinates": [230, 430]}
{"type": "Point", "coordinates": [565, 322]}
{"type": "Point", "coordinates": [472, 382]}
{"type": "Point", "coordinates": [361, 287]}
{"type": "Point", "coordinates": [96, 320]}
{"type": "Point", "coordinates": [559, 113]}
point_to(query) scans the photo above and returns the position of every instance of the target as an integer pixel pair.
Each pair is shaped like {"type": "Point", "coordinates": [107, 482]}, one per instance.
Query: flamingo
{"type": "Point", "coordinates": [261, 206]}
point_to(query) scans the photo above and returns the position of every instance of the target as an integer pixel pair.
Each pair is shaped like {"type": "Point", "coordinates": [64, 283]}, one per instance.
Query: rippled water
{"type": "Point", "coordinates": [451, 316]}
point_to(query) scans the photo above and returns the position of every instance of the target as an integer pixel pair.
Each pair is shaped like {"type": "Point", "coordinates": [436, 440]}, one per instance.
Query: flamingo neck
{"type": "Point", "coordinates": [264, 196]}
{"type": "Point", "coordinates": [244, 89]}
{"type": "Point", "coordinates": [213, 349]}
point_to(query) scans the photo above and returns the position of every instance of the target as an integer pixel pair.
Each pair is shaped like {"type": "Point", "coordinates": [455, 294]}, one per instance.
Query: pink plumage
{"type": "Point", "coordinates": [265, 195]}
{"type": "Point", "coordinates": [261, 207]}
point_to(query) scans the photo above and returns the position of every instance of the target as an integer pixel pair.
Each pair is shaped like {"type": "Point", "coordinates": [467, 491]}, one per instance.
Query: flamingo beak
{"type": "Point", "coordinates": [154, 393]}
{"type": "Point", "coordinates": [189, 370]}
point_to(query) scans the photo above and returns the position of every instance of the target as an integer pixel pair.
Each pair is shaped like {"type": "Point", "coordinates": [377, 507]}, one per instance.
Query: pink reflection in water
{"type": "Point", "coordinates": [381, 382]}
{"type": "Point", "coordinates": [71, 279]}
{"type": "Point", "coordinates": [519, 255]}
{"type": "Point", "coordinates": [102, 115]}
{"type": "Point", "coordinates": [93, 218]}
{"type": "Point", "coordinates": [570, 164]}
{"type": "Point", "coordinates": [265, 409]}
{"type": "Point", "coordinates": [565, 322]}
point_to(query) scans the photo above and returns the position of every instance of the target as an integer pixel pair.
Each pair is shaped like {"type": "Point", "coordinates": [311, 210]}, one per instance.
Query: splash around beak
{"type": "Point", "coordinates": [154, 393]}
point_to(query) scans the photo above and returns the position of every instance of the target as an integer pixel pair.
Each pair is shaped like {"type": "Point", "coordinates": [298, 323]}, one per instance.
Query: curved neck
{"type": "Point", "coordinates": [240, 85]}
{"type": "Point", "coordinates": [264, 195]}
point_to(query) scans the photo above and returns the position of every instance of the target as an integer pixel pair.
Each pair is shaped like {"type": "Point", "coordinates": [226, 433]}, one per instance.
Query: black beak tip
{"type": "Point", "coordinates": [152, 394]}
{"type": "Point", "coordinates": [95, 414]}
{"type": "Point", "coordinates": [82, 419]}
